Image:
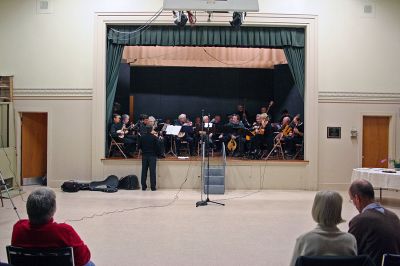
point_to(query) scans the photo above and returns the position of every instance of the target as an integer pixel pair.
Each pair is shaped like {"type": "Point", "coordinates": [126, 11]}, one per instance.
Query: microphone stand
{"type": "Point", "coordinates": [207, 200]}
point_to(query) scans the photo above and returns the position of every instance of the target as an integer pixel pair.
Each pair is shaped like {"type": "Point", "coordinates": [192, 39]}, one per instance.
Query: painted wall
{"type": "Point", "coordinates": [339, 156]}
{"type": "Point", "coordinates": [69, 137]}
{"type": "Point", "coordinates": [55, 51]}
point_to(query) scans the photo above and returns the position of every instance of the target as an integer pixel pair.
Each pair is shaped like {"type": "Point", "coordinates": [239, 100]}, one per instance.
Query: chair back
{"type": "Point", "coordinates": [390, 260]}
{"type": "Point", "coordinates": [40, 256]}
{"type": "Point", "coordinates": [334, 261]}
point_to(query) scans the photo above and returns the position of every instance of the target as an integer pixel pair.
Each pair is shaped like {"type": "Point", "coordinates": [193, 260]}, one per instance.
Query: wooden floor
{"type": "Point", "coordinates": [217, 156]}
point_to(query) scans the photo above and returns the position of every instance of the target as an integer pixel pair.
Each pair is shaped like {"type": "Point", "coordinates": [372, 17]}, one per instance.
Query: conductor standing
{"type": "Point", "coordinates": [148, 143]}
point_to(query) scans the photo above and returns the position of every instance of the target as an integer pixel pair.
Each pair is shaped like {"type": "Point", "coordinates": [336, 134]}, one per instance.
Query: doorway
{"type": "Point", "coordinates": [375, 143]}
{"type": "Point", "coordinates": [33, 148]}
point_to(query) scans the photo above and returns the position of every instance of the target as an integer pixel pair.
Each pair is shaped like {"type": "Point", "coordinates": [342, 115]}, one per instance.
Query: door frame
{"type": "Point", "coordinates": [18, 137]}
{"type": "Point", "coordinates": [392, 132]}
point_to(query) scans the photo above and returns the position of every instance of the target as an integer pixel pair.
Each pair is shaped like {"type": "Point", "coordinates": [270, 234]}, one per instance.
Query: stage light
{"type": "Point", "coordinates": [237, 19]}
{"type": "Point", "coordinates": [180, 18]}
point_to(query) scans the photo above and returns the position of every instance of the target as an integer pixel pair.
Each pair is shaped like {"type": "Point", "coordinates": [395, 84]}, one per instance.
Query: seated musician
{"type": "Point", "coordinates": [186, 134]}
{"type": "Point", "coordinates": [263, 110]}
{"type": "Point", "coordinates": [117, 132]}
{"type": "Point", "coordinates": [296, 137]}
{"type": "Point", "coordinates": [216, 134]}
{"type": "Point", "coordinates": [285, 113]}
{"type": "Point", "coordinates": [141, 126]}
{"type": "Point", "coordinates": [243, 114]}
{"type": "Point", "coordinates": [160, 139]}
{"type": "Point", "coordinates": [284, 127]}
{"type": "Point", "coordinates": [167, 140]}
{"type": "Point", "coordinates": [262, 134]}
{"type": "Point", "coordinates": [203, 132]}
{"type": "Point", "coordinates": [235, 130]}
{"type": "Point", "coordinates": [197, 127]}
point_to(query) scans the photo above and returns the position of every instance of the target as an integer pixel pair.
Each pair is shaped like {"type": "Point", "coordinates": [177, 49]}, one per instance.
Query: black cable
{"type": "Point", "coordinates": [174, 199]}
{"type": "Point", "coordinates": [262, 178]}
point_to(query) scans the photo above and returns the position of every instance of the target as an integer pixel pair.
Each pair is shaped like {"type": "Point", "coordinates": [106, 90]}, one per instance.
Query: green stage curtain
{"type": "Point", "coordinates": [113, 63]}
{"type": "Point", "coordinates": [295, 58]}
{"type": "Point", "coordinates": [207, 36]}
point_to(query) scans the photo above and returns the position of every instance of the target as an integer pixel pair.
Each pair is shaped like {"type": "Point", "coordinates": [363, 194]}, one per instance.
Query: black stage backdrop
{"type": "Point", "coordinates": [165, 92]}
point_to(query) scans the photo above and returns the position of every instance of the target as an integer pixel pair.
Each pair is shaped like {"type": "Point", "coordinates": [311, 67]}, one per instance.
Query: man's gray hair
{"type": "Point", "coordinates": [327, 208]}
{"type": "Point", "coordinates": [41, 205]}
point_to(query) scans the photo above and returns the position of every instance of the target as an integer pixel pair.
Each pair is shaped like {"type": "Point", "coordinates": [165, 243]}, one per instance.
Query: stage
{"type": "Point", "coordinates": [240, 173]}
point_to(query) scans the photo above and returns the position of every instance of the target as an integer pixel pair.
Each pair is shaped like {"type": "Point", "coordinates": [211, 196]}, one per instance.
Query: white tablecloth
{"type": "Point", "coordinates": [377, 178]}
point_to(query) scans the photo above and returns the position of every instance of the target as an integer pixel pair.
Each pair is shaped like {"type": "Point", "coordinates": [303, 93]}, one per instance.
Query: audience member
{"type": "Point", "coordinates": [40, 231]}
{"type": "Point", "coordinates": [326, 239]}
{"type": "Point", "coordinates": [376, 229]}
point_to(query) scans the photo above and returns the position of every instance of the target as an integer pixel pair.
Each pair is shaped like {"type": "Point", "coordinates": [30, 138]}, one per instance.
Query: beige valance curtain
{"type": "Point", "coordinates": [186, 56]}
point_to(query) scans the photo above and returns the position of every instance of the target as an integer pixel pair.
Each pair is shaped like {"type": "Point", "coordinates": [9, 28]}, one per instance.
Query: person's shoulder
{"type": "Point", "coordinates": [367, 218]}
{"type": "Point", "coordinates": [20, 223]}
{"type": "Point", "coordinates": [64, 227]}
{"type": "Point", "coordinates": [349, 237]}
{"type": "Point", "coordinates": [307, 236]}
{"type": "Point", "coordinates": [390, 213]}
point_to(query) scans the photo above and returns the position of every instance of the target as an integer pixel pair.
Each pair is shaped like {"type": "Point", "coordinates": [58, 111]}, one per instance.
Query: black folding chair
{"type": "Point", "coordinates": [116, 144]}
{"type": "Point", "coordinates": [40, 257]}
{"type": "Point", "coordinates": [362, 260]}
{"type": "Point", "coordinates": [390, 260]}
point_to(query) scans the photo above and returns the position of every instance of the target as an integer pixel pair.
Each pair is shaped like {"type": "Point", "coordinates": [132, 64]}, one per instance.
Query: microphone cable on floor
{"type": "Point", "coordinates": [171, 202]}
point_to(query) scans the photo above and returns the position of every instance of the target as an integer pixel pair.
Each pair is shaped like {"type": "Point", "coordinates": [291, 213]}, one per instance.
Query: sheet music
{"type": "Point", "coordinates": [173, 130]}
{"type": "Point", "coordinates": [208, 125]}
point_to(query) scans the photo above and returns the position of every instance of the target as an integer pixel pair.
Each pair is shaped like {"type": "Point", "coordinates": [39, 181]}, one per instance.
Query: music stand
{"type": "Point", "coordinates": [172, 131]}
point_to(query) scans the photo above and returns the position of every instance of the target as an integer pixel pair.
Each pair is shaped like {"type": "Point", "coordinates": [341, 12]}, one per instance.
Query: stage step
{"type": "Point", "coordinates": [216, 189]}
{"type": "Point", "coordinates": [215, 175]}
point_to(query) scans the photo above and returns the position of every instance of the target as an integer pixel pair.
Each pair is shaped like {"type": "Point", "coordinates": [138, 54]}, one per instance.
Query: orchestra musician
{"type": "Point", "coordinates": [149, 146]}
{"type": "Point", "coordinates": [143, 122]}
{"type": "Point", "coordinates": [285, 128]}
{"type": "Point", "coordinates": [296, 137]}
{"type": "Point", "coordinates": [117, 132]}
{"type": "Point", "coordinates": [234, 130]}
{"type": "Point", "coordinates": [243, 114]}
{"type": "Point", "coordinates": [217, 130]}
{"type": "Point", "coordinates": [198, 128]}
{"type": "Point", "coordinates": [187, 132]}
{"type": "Point", "coordinates": [285, 113]}
{"type": "Point", "coordinates": [128, 128]}
{"type": "Point", "coordinates": [204, 133]}
{"type": "Point", "coordinates": [262, 134]}
{"type": "Point", "coordinates": [263, 110]}
{"type": "Point", "coordinates": [151, 122]}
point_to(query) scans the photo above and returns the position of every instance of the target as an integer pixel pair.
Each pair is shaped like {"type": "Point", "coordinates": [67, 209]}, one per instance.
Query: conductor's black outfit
{"type": "Point", "coordinates": [148, 143]}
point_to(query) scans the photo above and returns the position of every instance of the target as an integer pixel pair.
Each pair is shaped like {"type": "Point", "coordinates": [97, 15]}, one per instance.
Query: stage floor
{"type": "Point", "coordinates": [240, 233]}
{"type": "Point", "coordinates": [216, 157]}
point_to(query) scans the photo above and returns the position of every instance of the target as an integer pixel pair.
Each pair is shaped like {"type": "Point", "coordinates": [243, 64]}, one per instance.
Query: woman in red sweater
{"type": "Point", "coordinates": [40, 231]}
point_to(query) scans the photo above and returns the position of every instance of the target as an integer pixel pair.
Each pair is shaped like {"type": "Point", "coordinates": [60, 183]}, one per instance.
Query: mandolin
{"type": "Point", "coordinates": [232, 145]}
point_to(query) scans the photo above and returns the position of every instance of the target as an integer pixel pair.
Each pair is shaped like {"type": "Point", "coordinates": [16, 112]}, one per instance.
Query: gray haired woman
{"type": "Point", "coordinates": [326, 239]}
